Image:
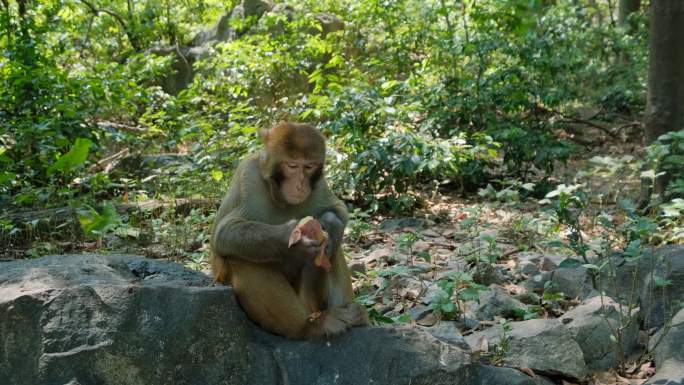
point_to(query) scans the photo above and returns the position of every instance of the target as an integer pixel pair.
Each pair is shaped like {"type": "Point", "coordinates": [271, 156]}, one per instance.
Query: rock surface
{"type": "Point", "coordinates": [669, 354]}
{"type": "Point", "coordinates": [542, 345]}
{"type": "Point", "coordinates": [126, 320]}
{"type": "Point", "coordinates": [573, 282]}
{"type": "Point", "coordinates": [497, 302]}
{"type": "Point", "coordinates": [592, 324]}
{"type": "Point", "coordinates": [667, 263]}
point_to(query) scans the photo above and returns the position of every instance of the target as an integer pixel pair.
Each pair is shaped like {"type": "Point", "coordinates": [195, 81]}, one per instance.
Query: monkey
{"type": "Point", "coordinates": [279, 287]}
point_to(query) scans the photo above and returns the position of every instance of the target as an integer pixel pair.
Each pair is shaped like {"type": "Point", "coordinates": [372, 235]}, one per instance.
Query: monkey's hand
{"type": "Point", "coordinates": [335, 229]}
{"type": "Point", "coordinates": [304, 247]}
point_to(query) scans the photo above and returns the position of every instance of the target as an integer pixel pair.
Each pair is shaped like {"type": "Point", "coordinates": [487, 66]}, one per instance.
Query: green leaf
{"type": "Point", "coordinates": [448, 308]}
{"type": "Point", "coordinates": [216, 175]}
{"type": "Point", "coordinates": [72, 159]}
{"type": "Point", "coordinates": [95, 224]}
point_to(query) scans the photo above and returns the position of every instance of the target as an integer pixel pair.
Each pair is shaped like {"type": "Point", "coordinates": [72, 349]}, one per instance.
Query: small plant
{"type": "Point", "coordinates": [358, 224]}
{"type": "Point", "coordinates": [96, 225]}
{"type": "Point", "coordinates": [405, 242]}
{"type": "Point", "coordinates": [504, 346]}
{"type": "Point", "coordinates": [449, 300]}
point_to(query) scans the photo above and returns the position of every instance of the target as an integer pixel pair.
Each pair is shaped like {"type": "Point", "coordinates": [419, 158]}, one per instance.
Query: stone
{"type": "Point", "coordinates": [667, 263]}
{"type": "Point", "coordinates": [528, 268]}
{"type": "Point", "coordinates": [329, 22]}
{"type": "Point", "coordinates": [128, 320]}
{"type": "Point", "coordinates": [448, 332]}
{"type": "Point", "coordinates": [669, 353]}
{"type": "Point", "coordinates": [497, 302]}
{"type": "Point", "coordinates": [487, 274]}
{"type": "Point", "coordinates": [550, 262]}
{"type": "Point", "coordinates": [591, 324]}
{"type": "Point", "coordinates": [573, 282]}
{"type": "Point", "coordinates": [669, 266]}
{"type": "Point", "coordinates": [488, 375]}
{"type": "Point", "coordinates": [542, 345]}
{"type": "Point", "coordinates": [537, 282]}
{"type": "Point", "coordinates": [528, 298]}
{"type": "Point", "coordinates": [402, 223]}
{"type": "Point", "coordinates": [97, 319]}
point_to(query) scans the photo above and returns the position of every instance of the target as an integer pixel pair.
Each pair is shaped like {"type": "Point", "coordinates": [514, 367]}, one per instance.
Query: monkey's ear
{"type": "Point", "coordinates": [265, 135]}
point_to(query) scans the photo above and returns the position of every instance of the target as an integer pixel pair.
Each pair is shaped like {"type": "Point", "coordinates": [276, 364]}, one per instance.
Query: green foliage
{"type": "Point", "coordinates": [75, 157]}
{"type": "Point", "coordinates": [666, 155]}
{"type": "Point", "coordinates": [414, 96]}
{"type": "Point", "coordinates": [95, 225]}
{"type": "Point", "coordinates": [452, 293]}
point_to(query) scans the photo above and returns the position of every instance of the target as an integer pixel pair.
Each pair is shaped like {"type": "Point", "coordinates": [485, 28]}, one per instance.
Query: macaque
{"type": "Point", "coordinates": [291, 278]}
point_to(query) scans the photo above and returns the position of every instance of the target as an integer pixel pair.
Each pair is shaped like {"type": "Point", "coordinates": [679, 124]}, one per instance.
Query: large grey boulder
{"type": "Point", "coordinates": [669, 354]}
{"type": "Point", "coordinates": [97, 319]}
{"type": "Point", "coordinates": [542, 345]}
{"type": "Point", "coordinates": [592, 324]}
{"type": "Point", "coordinates": [665, 263]}
{"type": "Point", "coordinates": [126, 320]}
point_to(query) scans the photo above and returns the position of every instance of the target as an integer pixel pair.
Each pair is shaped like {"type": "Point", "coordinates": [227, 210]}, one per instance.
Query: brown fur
{"type": "Point", "coordinates": [281, 292]}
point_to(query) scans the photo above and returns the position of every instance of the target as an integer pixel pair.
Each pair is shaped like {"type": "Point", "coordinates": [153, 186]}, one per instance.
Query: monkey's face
{"type": "Point", "coordinates": [297, 177]}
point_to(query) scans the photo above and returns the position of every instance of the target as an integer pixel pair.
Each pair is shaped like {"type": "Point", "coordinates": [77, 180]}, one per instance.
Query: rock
{"type": "Point", "coordinates": [669, 353]}
{"type": "Point", "coordinates": [670, 373]}
{"type": "Point", "coordinates": [528, 256]}
{"type": "Point", "coordinates": [550, 262]}
{"type": "Point", "coordinates": [402, 223]}
{"type": "Point", "coordinates": [447, 331]}
{"type": "Point", "coordinates": [488, 375]}
{"type": "Point", "coordinates": [419, 311]}
{"type": "Point", "coordinates": [668, 263]}
{"type": "Point", "coordinates": [272, 21]}
{"type": "Point", "coordinates": [537, 282]}
{"type": "Point", "coordinates": [357, 268]}
{"type": "Point", "coordinates": [218, 33]}
{"type": "Point", "coordinates": [588, 325]}
{"type": "Point", "coordinates": [497, 302]}
{"type": "Point", "coordinates": [329, 22]}
{"type": "Point", "coordinates": [487, 274]}
{"type": "Point", "coordinates": [94, 319]}
{"type": "Point", "coordinates": [127, 320]}
{"type": "Point", "coordinates": [542, 345]}
{"type": "Point", "coordinates": [669, 266]}
{"type": "Point", "coordinates": [528, 268]}
{"type": "Point", "coordinates": [366, 356]}
{"type": "Point", "coordinates": [528, 298]}
{"type": "Point", "coordinates": [573, 282]}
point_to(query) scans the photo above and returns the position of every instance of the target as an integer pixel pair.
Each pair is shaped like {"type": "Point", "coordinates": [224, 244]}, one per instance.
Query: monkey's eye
{"type": "Point", "coordinates": [292, 166]}
{"type": "Point", "coordinates": [308, 167]}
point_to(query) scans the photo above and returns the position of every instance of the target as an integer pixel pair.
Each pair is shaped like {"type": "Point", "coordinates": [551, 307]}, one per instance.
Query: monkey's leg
{"type": "Point", "coordinates": [220, 269]}
{"type": "Point", "coordinates": [341, 295]}
{"type": "Point", "coordinates": [270, 300]}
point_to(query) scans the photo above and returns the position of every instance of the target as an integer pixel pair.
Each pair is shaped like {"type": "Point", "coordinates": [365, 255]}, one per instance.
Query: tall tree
{"type": "Point", "coordinates": [665, 97]}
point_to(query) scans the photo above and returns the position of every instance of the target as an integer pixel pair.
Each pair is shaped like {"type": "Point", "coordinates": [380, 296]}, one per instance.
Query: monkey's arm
{"type": "Point", "coordinates": [333, 217]}
{"type": "Point", "coordinates": [235, 237]}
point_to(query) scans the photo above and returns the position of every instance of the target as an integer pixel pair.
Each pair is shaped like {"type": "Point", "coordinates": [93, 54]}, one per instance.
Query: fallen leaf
{"type": "Point", "coordinates": [482, 345]}
{"type": "Point", "coordinates": [429, 320]}
{"type": "Point", "coordinates": [528, 371]}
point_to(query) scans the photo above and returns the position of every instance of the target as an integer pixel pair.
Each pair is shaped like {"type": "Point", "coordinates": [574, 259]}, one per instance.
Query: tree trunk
{"type": "Point", "coordinates": [665, 97]}
{"type": "Point", "coordinates": [626, 8]}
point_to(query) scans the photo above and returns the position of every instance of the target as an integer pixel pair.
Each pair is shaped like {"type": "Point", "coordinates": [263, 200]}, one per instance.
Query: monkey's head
{"type": "Point", "coordinates": [292, 161]}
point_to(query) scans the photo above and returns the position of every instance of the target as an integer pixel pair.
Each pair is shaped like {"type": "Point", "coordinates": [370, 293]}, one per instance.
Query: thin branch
{"type": "Point", "coordinates": [120, 19]}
